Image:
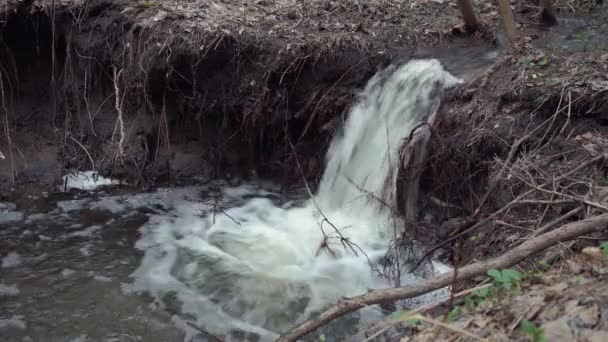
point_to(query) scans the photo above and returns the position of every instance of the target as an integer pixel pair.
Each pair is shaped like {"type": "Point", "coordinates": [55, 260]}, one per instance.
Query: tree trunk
{"type": "Point", "coordinates": [547, 16]}
{"type": "Point", "coordinates": [468, 15]}
{"type": "Point", "coordinates": [504, 9]}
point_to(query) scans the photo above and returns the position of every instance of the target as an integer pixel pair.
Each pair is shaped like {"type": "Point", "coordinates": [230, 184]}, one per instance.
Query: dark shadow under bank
{"type": "Point", "coordinates": [224, 110]}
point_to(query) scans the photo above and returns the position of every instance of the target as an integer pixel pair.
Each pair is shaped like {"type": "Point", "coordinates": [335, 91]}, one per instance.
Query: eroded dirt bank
{"type": "Point", "coordinates": [205, 90]}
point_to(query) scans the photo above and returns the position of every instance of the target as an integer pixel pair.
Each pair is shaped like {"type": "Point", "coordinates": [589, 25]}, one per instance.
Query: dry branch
{"type": "Point", "coordinates": [510, 258]}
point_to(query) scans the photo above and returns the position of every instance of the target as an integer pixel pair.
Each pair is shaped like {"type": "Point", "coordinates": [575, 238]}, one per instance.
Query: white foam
{"type": "Point", "coordinates": [66, 272]}
{"type": "Point", "coordinates": [12, 259]}
{"type": "Point", "coordinates": [86, 180]}
{"type": "Point", "coordinates": [13, 322]}
{"type": "Point", "coordinates": [110, 204]}
{"type": "Point", "coordinates": [85, 250]}
{"type": "Point", "coordinates": [10, 217]}
{"type": "Point", "coordinates": [73, 205]}
{"type": "Point", "coordinates": [102, 279]}
{"type": "Point", "coordinates": [81, 338]}
{"type": "Point", "coordinates": [8, 290]}
{"type": "Point", "coordinates": [258, 267]}
{"type": "Point", "coordinates": [87, 232]}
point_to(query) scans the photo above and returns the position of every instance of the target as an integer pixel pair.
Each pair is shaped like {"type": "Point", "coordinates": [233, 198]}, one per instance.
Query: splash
{"type": "Point", "coordinates": [251, 270]}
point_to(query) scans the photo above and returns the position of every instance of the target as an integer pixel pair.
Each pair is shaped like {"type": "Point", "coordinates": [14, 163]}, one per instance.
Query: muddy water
{"type": "Point", "coordinates": [66, 264]}
{"type": "Point", "coordinates": [238, 262]}
{"type": "Point", "coordinates": [588, 32]}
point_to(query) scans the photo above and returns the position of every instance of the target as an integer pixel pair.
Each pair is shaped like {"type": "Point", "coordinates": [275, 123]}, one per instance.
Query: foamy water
{"type": "Point", "coordinates": [252, 270]}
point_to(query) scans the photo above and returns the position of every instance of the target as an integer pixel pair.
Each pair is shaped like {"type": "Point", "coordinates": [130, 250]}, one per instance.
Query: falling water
{"type": "Point", "coordinates": [252, 270]}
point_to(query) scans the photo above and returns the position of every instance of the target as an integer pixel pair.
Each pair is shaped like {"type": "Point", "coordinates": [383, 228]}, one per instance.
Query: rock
{"type": "Point", "coordinates": [589, 317]}
{"type": "Point", "coordinates": [558, 331]}
{"type": "Point", "coordinates": [594, 335]}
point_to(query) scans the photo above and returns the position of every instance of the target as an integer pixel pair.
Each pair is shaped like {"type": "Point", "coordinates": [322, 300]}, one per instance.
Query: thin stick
{"type": "Point", "coordinates": [85, 151]}
{"type": "Point", "coordinates": [7, 130]}
{"type": "Point", "coordinates": [422, 309]}
{"type": "Point", "coordinates": [526, 249]}
{"type": "Point", "coordinates": [448, 326]}
{"type": "Point", "coordinates": [196, 327]}
{"type": "Point", "coordinates": [118, 105]}
{"type": "Point", "coordinates": [557, 221]}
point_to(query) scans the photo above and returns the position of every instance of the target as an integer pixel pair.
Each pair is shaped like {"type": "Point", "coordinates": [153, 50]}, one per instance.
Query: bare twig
{"type": "Point", "coordinates": [85, 151]}
{"type": "Point", "coordinates": [449, 327]}
{"type": "Point", "coordinates": [386, 324]}
{"type": "Point", "coordinates": [7, 130]}
{"type": "Point", "coordinates": [314, 112]}
{"type": "Point", "coordinates": [510, 258]}
{"type": "Point", "coordinates": [507, 162]}
{"type": "Point", "coordinates": [196, 327]}
{"type": "Point", "coordinates": [346, 242]}
{"type": "Point", "coordinates": [506, 207]}
{"type": "Point", "coordinates": [557, 221]}
{"type": "Point", "coordinates": [118, 105]}
{"type": "Point", "coordinates": [571, 197]}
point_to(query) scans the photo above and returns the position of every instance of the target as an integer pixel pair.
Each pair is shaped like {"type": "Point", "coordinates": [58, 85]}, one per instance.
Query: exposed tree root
{"type": "Point", "coordinates": [525, 250]}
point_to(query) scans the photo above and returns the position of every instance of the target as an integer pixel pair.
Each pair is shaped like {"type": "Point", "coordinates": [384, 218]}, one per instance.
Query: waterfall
{"type": "Point", "coordinates": [252, 270]}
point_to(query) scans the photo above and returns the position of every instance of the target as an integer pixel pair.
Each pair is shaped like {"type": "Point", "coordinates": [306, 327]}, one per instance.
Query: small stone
{"type": "Point", "coordinates": [572, 306]}
{"type": "Point", "coordinates": [558, 331]}
{"type": "Point", "coordinates": [590, 316]}
{"type": "Point", "coordinates": [550, 313]}
{"type": "Point", "coordinates": [589, 335]}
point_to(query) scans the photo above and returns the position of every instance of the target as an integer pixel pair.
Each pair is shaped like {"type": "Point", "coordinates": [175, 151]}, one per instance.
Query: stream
{"type": "Point", "coordinates": [241, 262]}
{"type": "Point", "coordinates": [236, 262]}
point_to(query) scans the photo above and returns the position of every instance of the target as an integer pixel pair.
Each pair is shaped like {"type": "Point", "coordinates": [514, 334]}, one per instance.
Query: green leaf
{"type": "Point", "coordinates": [543, 61]}
{"type": "Point", "coordinates": [544, 264]}
{"type": "Point", "coordinates": [528, 327]}
{"type": "Point", "coordinates": [322, 338]}
{"type": "Point", "coordinates": [535, 333]}
{"type": "Point", "coordinates": [604, 247]}
{"type": "Point", "coordinates": [482, 293]}
{"type": "Point", "coordinates": [469, 303]}
{"type": "Point", "coordinates": [511, 275]}
{"type": "Point", "coordinates": [412, 321]}
{"type": "Point", "coordinates": [496, 275]}
{"type": "Point", "coordinates": [576, 279]}
{"type": "Point", "coordinates": [400, 315]}
{"type": "Point", "coordinates": [454, 313]}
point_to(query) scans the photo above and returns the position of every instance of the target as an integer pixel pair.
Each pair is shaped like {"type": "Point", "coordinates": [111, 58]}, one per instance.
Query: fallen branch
{"type": "Point", "coordinates": [510, 258]}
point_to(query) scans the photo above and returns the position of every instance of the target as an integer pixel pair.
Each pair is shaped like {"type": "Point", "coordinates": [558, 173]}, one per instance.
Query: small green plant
{"type": "Point", "coordinates": [527, 63]}
{"type": "Point", "coordinates": [536, 334]}
{"type": "Point", "coordinates": [551, 83]}
{"type": "Point", "coordinates": [576, 279]}
{"type": "Point", "coordinates": [454, 313]}
{"type": "Point", "coordinates": [604, 248]}
{"type": "Point", "coordinates": [508, 278]}
{"type": "Point", "coordinates": [150, 4]}
{"type": "Point", "coordinates": [530, 63]}
{"type": "Point", "coordinates": [477, 237]}
{"type": "Point", "coordinates": [476, 298]}
{"type": "Point", "coordinates": [150, 7]}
